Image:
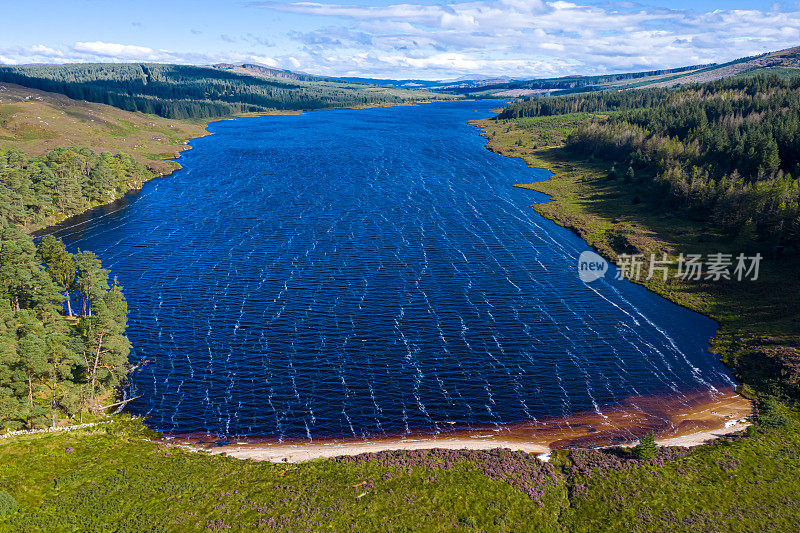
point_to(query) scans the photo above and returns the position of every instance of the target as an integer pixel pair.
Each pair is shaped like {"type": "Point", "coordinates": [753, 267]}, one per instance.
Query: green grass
{"type": "Point", "coordinates": [749, 485]}
{"type": "Point", "coordinates": [6, 111]}
{"type": "Point", "coordinates": [122, 128]}
{"type": "Point", "coordinates": [782, 72]}
{"type": "Point", "coordinates": [117, 479]}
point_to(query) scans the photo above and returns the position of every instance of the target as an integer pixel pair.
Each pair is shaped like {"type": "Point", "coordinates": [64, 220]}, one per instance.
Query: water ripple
{"type": "Point", "coordinates": [369, 272]}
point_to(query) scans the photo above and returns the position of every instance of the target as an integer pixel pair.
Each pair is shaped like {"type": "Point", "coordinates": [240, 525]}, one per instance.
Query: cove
{"type": "Point", "coordinates": [373, 272]}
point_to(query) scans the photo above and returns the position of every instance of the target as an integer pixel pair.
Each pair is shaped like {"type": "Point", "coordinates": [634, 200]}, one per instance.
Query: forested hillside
{"type": "Point", "coordinates": [182, 91]}
{"type": "Point", "coordinates": [40, 190]}
{"type": "Point", "coordinates": [54, 363]}
{"type": "Point", "coordinates": [727, 151]}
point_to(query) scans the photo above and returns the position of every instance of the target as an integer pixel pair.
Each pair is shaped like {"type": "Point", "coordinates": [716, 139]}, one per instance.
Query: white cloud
{"type": "Point", "coordinates": [118, 51]}
{"type": "Point", "coordinates": [40, 49]}
{"type": "Point", "coordinates": [522, 38]}
{"type": "Point", "coordinates": [532, 37]}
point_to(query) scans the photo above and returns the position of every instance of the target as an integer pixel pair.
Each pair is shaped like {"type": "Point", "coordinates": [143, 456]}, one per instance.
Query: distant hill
{"type": "Point", "coordinates": [184, 91]}
{"type": "Point", "coordinates": [785, 63]}
{"type": "Point", "coordinates": [526, 87]}
{"type": "Point", "coordinates": [782, 59]}
{"type": "Point", "coordinates": [251, 69]}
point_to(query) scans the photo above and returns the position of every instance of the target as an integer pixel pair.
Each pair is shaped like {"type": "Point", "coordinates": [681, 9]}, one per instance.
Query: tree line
{"type": "Point", "coordinates": [726, 151]}
{"type": "Point", "coordinates": [56, 363]}
{"type": "Point", "coordinates": [184, 91]}
{"type": "Point", "coordinates": [602, 101]}
{"type": "Point", "coordinates": [37, 190]}
{"type": "Point", "coordinates": [63, 349]}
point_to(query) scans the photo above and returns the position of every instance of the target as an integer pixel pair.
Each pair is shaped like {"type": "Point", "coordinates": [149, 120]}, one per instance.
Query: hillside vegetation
{"type": "Point", "coordinates": [117, 476]}
{"type": "Point", "coordinates": [726, 152]}
{"type": "Point", "coordinates": [37, 121]}
{"type": "Point", "coordinates": [182, 91]}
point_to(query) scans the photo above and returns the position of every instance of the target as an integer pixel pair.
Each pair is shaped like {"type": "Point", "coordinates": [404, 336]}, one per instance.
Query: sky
{"type": "Point", "coordinates": [419, 39]}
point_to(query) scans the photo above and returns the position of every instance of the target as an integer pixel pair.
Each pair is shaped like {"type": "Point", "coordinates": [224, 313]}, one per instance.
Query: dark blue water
{"type": "Point", "coordinates": [373, 271]}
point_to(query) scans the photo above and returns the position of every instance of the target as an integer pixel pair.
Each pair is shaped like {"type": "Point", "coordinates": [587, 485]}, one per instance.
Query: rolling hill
{"type": "Point", "coordinates": [183, 91]}
{"type": "Point", "coordinates": [36, 121]}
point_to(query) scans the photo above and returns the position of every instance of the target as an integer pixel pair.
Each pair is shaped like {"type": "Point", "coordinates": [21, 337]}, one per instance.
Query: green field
{"type": "Point", "coordinates": [113, 477]}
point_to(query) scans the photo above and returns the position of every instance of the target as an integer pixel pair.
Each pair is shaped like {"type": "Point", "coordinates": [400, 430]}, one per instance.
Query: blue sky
{"type": "Point", "coordinates": [401, 39]}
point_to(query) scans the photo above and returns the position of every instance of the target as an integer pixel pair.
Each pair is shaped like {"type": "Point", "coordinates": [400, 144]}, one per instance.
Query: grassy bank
{"type": "Point", "coordinates": [759, 320]}
{"type": "Point", "coordinates": [37, 121]}
{"type": "Point", "coordinates": [114, 477]}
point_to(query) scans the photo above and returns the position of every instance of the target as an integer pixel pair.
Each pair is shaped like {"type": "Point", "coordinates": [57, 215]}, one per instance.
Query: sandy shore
{"type": "Point", "coordinates": [293, 453]}
{"type": "Point", "coordinates": [701, 437]}
{"type": "Point", "coordinates": [678, 420]}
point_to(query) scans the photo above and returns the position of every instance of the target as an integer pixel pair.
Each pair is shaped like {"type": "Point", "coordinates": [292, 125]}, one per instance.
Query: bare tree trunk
{"type": "Point", "coordinates": [96, 361]}
{"type": "Point", "coordinates": [69, 305]}
{"type": "Point", "coordinates": [54, 402]}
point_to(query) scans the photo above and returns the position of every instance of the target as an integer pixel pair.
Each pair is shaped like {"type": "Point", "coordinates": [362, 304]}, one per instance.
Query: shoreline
{"type": "Point", "coordinates": [677, 420]}
{"type": "Point", "coordinates": [299, 453]}
{"type": "Point", "coordinates": [690, 421]}
{"type": "Point", "coordinates": [165, 172]}
{"type": "Point", "coordinates": [620, 425]}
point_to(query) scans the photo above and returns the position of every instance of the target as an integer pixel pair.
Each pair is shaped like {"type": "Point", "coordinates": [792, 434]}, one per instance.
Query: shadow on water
{"type": "Point", "coordinates": [81, 223]}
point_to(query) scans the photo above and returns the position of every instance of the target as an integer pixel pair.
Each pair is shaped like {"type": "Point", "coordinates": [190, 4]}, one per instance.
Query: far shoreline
{"type": "Point", "coordinates": [86, 215]}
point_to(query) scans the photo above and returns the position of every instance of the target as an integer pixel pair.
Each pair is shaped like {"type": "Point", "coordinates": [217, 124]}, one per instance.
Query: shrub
{"type": "Point", "coordinates": [8, 505]}
{"type": "Point", "coordinates": [771, 414]}
{"type": "Point", "coordinates": [468, 521]}
{"type": "Point", "coordinates": [646, 449]}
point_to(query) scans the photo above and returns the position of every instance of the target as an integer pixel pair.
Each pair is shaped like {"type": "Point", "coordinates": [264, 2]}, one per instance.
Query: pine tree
{"type": "Point", "coordinates": [60, 265]}
{"type": "Point", "coordinates": [91, 280]}
{"type": "Point", "coordinates": [646, 449]}
{"type": "Point", "coordinates": [106, 348]}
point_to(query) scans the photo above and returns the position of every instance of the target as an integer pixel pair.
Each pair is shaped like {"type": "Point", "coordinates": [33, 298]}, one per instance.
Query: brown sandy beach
{"type": "Point", "coordinates": [678, 420]}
